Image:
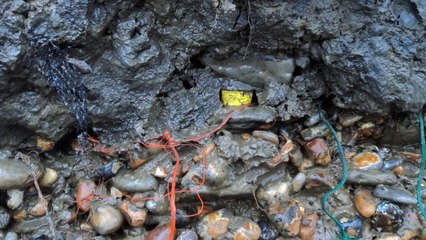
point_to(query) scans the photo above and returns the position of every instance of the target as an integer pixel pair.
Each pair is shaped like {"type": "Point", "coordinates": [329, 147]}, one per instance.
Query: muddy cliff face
{"type": "Point", "coordinates": [150, 65]}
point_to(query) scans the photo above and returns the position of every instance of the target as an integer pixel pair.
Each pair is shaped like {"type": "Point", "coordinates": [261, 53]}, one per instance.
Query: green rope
{"type": "Point", "coordinates": [344, 235]}
{"type": "Point", "coordinates": [422, 166]}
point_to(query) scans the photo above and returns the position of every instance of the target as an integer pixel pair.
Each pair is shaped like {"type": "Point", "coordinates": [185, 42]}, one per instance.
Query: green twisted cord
{"type": "Point", "coordinates": [344, 235]}
{"type": "Point", "coordinates": [422, 166]}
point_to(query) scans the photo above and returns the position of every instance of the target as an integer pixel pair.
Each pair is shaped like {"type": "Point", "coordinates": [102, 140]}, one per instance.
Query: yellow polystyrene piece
{"type": "Point", "coordinates": [236, 97]}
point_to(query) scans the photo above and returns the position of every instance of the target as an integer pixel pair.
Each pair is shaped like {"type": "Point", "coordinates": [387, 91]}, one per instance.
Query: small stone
{"type": "Point", "coordinates": [31, 225]}
{"type": "Point", "coordinates": [267, 136]}
{"type": "Point", "coordinates": [318, 151]}
{"type": "Point", "coordinates": [268, 230]}
{"type": "Point", "coordinates": [252, 117]}
{"type": "Point", "coordinates": [353, 226]}
{"type": "Point", "coordinates": [39, 210]}
{"type": "Point", "coordinates": [134, 180]}
{"type": "Point", "coordinates": [49, 178]}
{"type": "Point", "coordinates": [399, 170]}
{"type": "Point", "coordinates": [366, 129]}
{"type": "Point", "coordinates": [387, 218]}
{"type": "Point", "coordinates": [16, 197]}
{"type": "Point", "coordinates": [217, 172]}
{"type": "Point", "coordinates": [160, 172]}
{"type": "Point", "coordinates": [105, 219]}
{"type": "Point", "coordinates": [4, 217]}
{"type": "Point", "coordinates": [86, 227]}
{"type": "Point", "coordinates": [368, 161]}
{"type": "Point", "coordinates": [317, 131]}
{"type": "Point", "coordinates": [245, 136]}
{"type": "Point", "coordinates": [44, 144]}
{"type": "Point", "coordinates": [158, 206]}
{"type": "Point", "coordinates": [215, 224]}
{"type": "Point", "coordinates": [308, 227]}
{"type": "Point", "coordinates": [161, 232]}
{"type": "Point", "coordinates": [11, 236]}
{"type": "Point", "coordinates": [389, 236]}
{"type": "Point", "coordinates": [14, 174]}
{"type": "Point", "coordinates": [348, 120]}
{"type": "Point", "coordinates": [298, 181]}
{"type": "Point", "coordinates": [392, 163]}
{"type": "Point", "coordinates": [371, 177]}
{"type": "Point", "coordinates": [135, 216]}
{"type": "Point", "coordinates": [287, 217]}
{"type": "Point", "coordinates": [188, 235]}
{"type": "Point", "coordinates": [394, 195]}
{"type": "Point", "coordinates": [312, 120]}
{"type": "Point", "coordinates": [365, 203]}
{"type": "Point", "coordinates": [85, 192]}
{"type": "Point", "coordinates": [20, 214]}
{"type": "Point", "coordinates": [111, 169]}
{"type": "Point", "coordinates": [274, 192]}
{"type": "Point", "coordinates": [248, 231]}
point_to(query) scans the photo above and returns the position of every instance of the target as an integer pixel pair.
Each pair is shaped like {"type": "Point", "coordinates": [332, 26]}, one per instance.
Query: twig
{"type": "Point", "coordinates": [26, 159]}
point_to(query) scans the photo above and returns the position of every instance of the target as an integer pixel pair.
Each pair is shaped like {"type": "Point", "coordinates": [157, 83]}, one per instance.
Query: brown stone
{"type": "Point", "coordinates": [367, 160]}
{"type": "Point", "coordinates": [365, 203]}
{"type": "Point", "coordinates": [308, 226]}
{"type": "Point", "coordinates": [248, 231]}
{"type": "Point", "coordinates": [399, 170]}
{"type": "Point", "coordinates": [159, 233]}
{"type": "Point", "coordinates": [318, 151]}
{"type": "Point", "coordinates": [134, 216]}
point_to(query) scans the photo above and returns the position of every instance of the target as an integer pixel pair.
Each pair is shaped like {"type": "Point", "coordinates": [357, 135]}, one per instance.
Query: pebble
{"type": "Point", "coordinates": [134, 216]}
{"type": "Point", "coordinates": [217, 172]}
{"type": "Point", "coordinates": [267, 136]}
{"type": "Point", "coordinates": [274, 192]}
{"type": "Point", "coordinates": [105, 219]}
{"type": "Point", "coordinates": [318, 150]}
{"type": "Point", "coordinates": [85, 190]}
{"type": "Point", "coordinates": [248, 230]}
{"type": "Point", "coordinates": [44, 144]}
{"type": "Point", "coordinates": [365, 203]}
{"type": "Point", "coordinates": [353, 226]}
{"type": "Point", "coordinates": [29, 226]}
{"type": "Point", "coordinates": [312, 120]}
{"type": "Point", "coordinates": [298, 181]}
{"type": "Point", "coordinates": [14, 174]}
{"type": "Point", "coordinates": [160, 172]}
{"type": "Point", "coordinates": [268, 230]}
{"type": "Point", "coordinates": [16, 197]}
{"type": "Point", "coordinates": [38, 209]}
{"type": "Point", "coordinates": [308, 227]}
{"type": "Point", "coordinates": [392, 163]}
{"type": "Point", "coordinates": [389, 236]}
{"type": "Point", "coordinates": [110, 170]}
{"type": "Point", "coordinates": [251, 117]}
{"type": "Point", "coordinates": [287, 217]}
{"type": "Point", "coordinates": [188, 235]}
{"type": "Point", "coordinates": [317, 131]}
{"type": "Point", "coordinates": [399, 170]}
{"type": "Point", "coordinates": [347, 120]}
{"type": "Point", "coordinates": [371, 177]}
{"type": "Point", "coordinates": [368, 161]}
{"type": "Point", "coordinates": [158, 206]}
{"type": "Point", "coordinates": [161, 232]}
{"type": "Point", "coordinates": [387, 218]}
{"type": "Point", "coordinates": [394, 194]}
{"type": "Point", "coordinates": [11, 236]}
{"type": "Point", "coordinates": [134, 181]}
{"type": "Point", "coordinates": [214, 225]}
{"type": "Point", "coordinates": [49, 178]}
{"type": "Point", "coordinates": [4, 217]}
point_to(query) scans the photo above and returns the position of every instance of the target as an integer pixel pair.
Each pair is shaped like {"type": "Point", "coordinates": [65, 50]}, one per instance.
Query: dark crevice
{"type": "Point", "coordinates": [196, 61]}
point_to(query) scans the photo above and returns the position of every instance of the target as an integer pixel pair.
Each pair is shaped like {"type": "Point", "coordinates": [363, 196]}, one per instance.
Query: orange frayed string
{"type": "Point", "coordinates": [169, 145]}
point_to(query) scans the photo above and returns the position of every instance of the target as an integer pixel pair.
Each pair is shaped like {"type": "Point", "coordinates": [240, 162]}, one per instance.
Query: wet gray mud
{"type": "Point", "coordinates": [85, 85]}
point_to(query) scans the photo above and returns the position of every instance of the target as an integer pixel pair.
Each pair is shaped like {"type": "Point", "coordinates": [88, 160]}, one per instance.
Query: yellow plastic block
{"type": "Point", "coordinates": [236, 97]}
